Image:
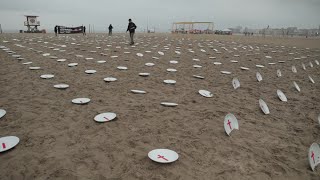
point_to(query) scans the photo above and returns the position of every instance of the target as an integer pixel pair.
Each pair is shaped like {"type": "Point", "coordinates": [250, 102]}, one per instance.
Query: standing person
{"type": "Point", "coordinates": [56, 30]}
{"type": "Point", "coordinates": [84, 30]}
{"type": "Point", "coordinates": [131, 28]}
{"type": "Point", "coordinates": [110, 29]}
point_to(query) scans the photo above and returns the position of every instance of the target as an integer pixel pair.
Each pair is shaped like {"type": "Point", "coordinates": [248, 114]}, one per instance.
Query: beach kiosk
{"type": "Point", "coordinates": [32, 24]}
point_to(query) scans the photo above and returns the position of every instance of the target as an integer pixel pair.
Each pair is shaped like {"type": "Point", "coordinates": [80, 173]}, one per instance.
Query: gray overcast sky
{"type": "Point", "coordinates": [161, 13]}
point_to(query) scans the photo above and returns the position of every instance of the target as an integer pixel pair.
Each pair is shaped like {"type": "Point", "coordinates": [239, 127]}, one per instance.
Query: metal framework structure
{"type": "Point", "coordinates": [32, 24]}
{"type": "Point", "coordinates": [189, 28]}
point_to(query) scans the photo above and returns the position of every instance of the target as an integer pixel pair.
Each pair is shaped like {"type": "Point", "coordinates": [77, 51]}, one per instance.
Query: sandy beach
{"type": "Point", "coordinates": [60, 140]}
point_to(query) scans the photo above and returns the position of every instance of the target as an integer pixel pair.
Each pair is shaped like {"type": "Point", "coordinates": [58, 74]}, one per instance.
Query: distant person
{"type": "Point", "coordinates": [56, 30]}
{"type": "Point", "coordinates": [84, 30]}
{"type": "Point", "coordinates": [131, 28]}
{"type": "Point", "coordinates": [110, 29]}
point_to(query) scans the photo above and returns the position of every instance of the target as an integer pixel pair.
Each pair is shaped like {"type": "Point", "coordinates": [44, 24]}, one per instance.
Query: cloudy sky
{"type": "Point", "coordinates": [161, 13]}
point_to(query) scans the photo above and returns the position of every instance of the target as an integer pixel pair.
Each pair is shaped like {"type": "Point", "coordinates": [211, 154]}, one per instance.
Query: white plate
{"type": "Point", "coordinates": [279, 73]}
{"type": "Point", "coordinates": [205, 93]}
{"type": "Point", "coordinates": [310, 78]}
{"type": "Point", "coordinates": [177, 52]}
{"type": "Point", "coordinates": [282, 96]}
{"type": "Point", "coordinates": [296, 86]}
{"type": "Point", "coordinates": [61, 86]}
{"type": "Point", "coordinates": [135, 91]}
{"type": "Point", "coordinates": [89, 58]}
{"type": "Point", "coordinates": [171, 70]}
{"type": "Point", "coordinates": [122, 68]}
{"type": "Point", "coordinates": [46, 54]}
{"type": "Point", "coordinates": [34, 68]}
{"type": "Point", "coordinates": [303, 66]}
{"type": "Point", "coordinates": [169, 104]}
{"type": "Point", "coordinates": [199, 77]}
{"type": "Point", "coordinates": [61, 60]}
{"type": "Point", "coordinates": [100, 62]}
{"type": "Point", "coordinates": [73, 64]}
{"type": "Point", "coordinates": [144, 74]}
{"type": "Point", "coordinates": [105, 117]}
{"type": "Point", "coordinates": [217, 63]}
{"type": "Point", "coordinates": [310, 64]}
{"type": "Point", "coordinates": [225, 72]}
{"type": "Point", "coordinates": [230, 123]}
{"type": "Point", "coordinates": [81, 100]}
{"type": "Point", "coordinates": [139, 54]}
{"type": "Point", "coordinates": [197, 66]}
{"type": "Point", "coordinates": [233, 61]}
{"type": "Point", "coordinates": [264, 107]}
{"type": "Point", "coordinates": [47, 76]}
{"type": "Point", "coordinates": [2, 113]}
{"type": "Point", "coordinates": [294, 69]}
{"type": "Point", "coordinates": [149, 64]}
{"type": "Point", "coordinates": [244, 68]}
{"type": "Point", "coordinates": [173, 62]}
{"type": "Point", "coordinates": [235, 83]}
{"type": "Point", "coordinates": [113, 56]}
{"type": "Point", "coordinates": [314, 155]}
{"type": "Point", "coordinates": [8, 142]}
{"type": "Point", "coordinates": [317, 62]}
{"type": "Point", "coordinates": [163, 155]}
{"type": "Point", "coordinates": [26, 63]}
{"type": "Point", "coordinates": [259, 66]}
{"type": "Point", "coordinates": [161, 53]}
{"type": "Point", "coordinates": [110, 79]}
{"type": "Point", "coordinates": [90, 71]}
{"type": "Point", "coordinates": [169, 81]}
{"type": "Point", "coordinates": [258, 76]}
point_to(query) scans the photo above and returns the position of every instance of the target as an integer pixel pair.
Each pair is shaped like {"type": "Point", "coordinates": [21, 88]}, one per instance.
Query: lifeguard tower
{"type": "Point", "coordinates": [32, 24]}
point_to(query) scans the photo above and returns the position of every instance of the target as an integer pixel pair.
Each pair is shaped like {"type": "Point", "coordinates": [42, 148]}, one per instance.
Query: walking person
{"type": "Point", "coordinates": [110, 29]}
{"type": "Point", "coordinates": [56, 30]}
{"type": "Point", "coordinates": [84, 30]}
{"type": "Point", "coordinates": [131, 28]}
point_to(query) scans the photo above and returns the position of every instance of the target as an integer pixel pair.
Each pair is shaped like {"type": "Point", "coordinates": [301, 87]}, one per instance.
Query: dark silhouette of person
{"type": "Point", "coordinates": [110, 29]}
{"type": "Point", "coordinates": [56, 30]}
{"type": "Point", "coordinates": [84, 30]}
{"type": "Point", "coordinates": [131, 28]}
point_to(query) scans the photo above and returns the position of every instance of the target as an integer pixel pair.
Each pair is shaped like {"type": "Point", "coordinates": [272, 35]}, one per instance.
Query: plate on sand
{"type": "Point", "coordinates": [91, 71]}
{"type": "Point", "coordinates": [139, 54]}
{"type": "Point", "coordinates": [294, 69]}
{"type": "Point", "coordinates": [169, 104]}
{"type": "Point", "coordinates": [61, 86]}
{"type": "Point", "coordinates": [310, 78]}
{"type": "Point", "coordinates": [110, 79]}
{"type": "Point", "coordinates": [169, 81]}
{"type": "Point", "coordinates": [122, 68]}
{"type": "Point", "coordinates": [163, 155]}
{"type": "Point", "coordinates": [34, 68]}
{"type": "Point", "coordinates": [279, 73]}
{"type": "Point", "coordinates": [259, 77]}
{"type": "Point", "coordinates": [161, 53]}
{"type": "Point", "coordinates": [217, 63]}
{"type": "Point", "coordinates": [144, 74]}
{"type": "Point", "coordinates": [197, 66]}
{"type": "Point", "coordinates": [8, 142]}
{"type": "Point", "coordinates": [296, 86]}
{"type": "Point", "coordinates": [225, 72]}
{"type": "Point", "coordinates": [230, 123]}
{"type": "Point", "coordinates": [2, 113]}
{"type": "Point", "coordinates": [81, 100]}
{"type": "Point", "coordinates": [105, 117]}
{"type": "Point", "coordinates": [47, 76]}
{"type": "Point", "coordinates": [26, 63]}
{"type": "Point", "coordinates": [149, 64]}
{"type": "Point", "coordinates": [198, 77]}
{"type": "Point", "coordinates": [244, 68]}
{"type": "Point", "coordinates": [73, 64]}
{"type": "Point", "coordinates": [314, 155]}
{"type": "Point", "coordinates": [135, 91]}
{"type": "Point", "coordinates": [205, 93]}
{"type": "Point", "coordinates": [61, 60]}
{"type": "Point", "coordinates": [282, 96]}
{"type": "Point", "coordinates": [171, 70]}
{"type": "Point", "coordinates": [264, 107]}
{"type": "Point", "coordinates": [235, 83]}
{"type": "Point", "coordinates": [173, 62]}
{"type": "Point", "coordinates": [102, 61]}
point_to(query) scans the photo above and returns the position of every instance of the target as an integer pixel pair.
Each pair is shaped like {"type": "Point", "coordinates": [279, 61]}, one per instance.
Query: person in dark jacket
{"type": "Point", "coordinates": [131, 28]}
{"type": "Point", "coordinates": [56, 30]}
{"type": "Point", "coordinates": [110, 29]}
{"type": "Point", "coordinates": [84, 30]}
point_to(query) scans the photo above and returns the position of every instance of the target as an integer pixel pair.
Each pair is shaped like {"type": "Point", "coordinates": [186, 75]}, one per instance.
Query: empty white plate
{"type": "Point", "coordinates": [110, 79]}
{"type": "Point", "coordinates": [34, 68]}
{"type": "Point", "coordinates": [171, 70]}
{"type": "Point", "coordinates": [2, 113]}
{"type": "Point", "coordinates": [72, 64]}
{"type": "Point", "coordinates": [169, 81]}
{"type": "Point", "coordinates": [61, 86]}
{"type": "Point", "coordinates": [205, 93]}
{"type": "Point", "coordinates": [105, 117]}
{"type": "Point", "coordinates": [47, 76]}
{"type": "Point", "coordinates": [135, 91]}
{"type": "Point", "coordinates": [169, 104]}
{"type": "Point", "coordinates": [81, 100]}
{"type": "Point", "coordinates": [90, 71]}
